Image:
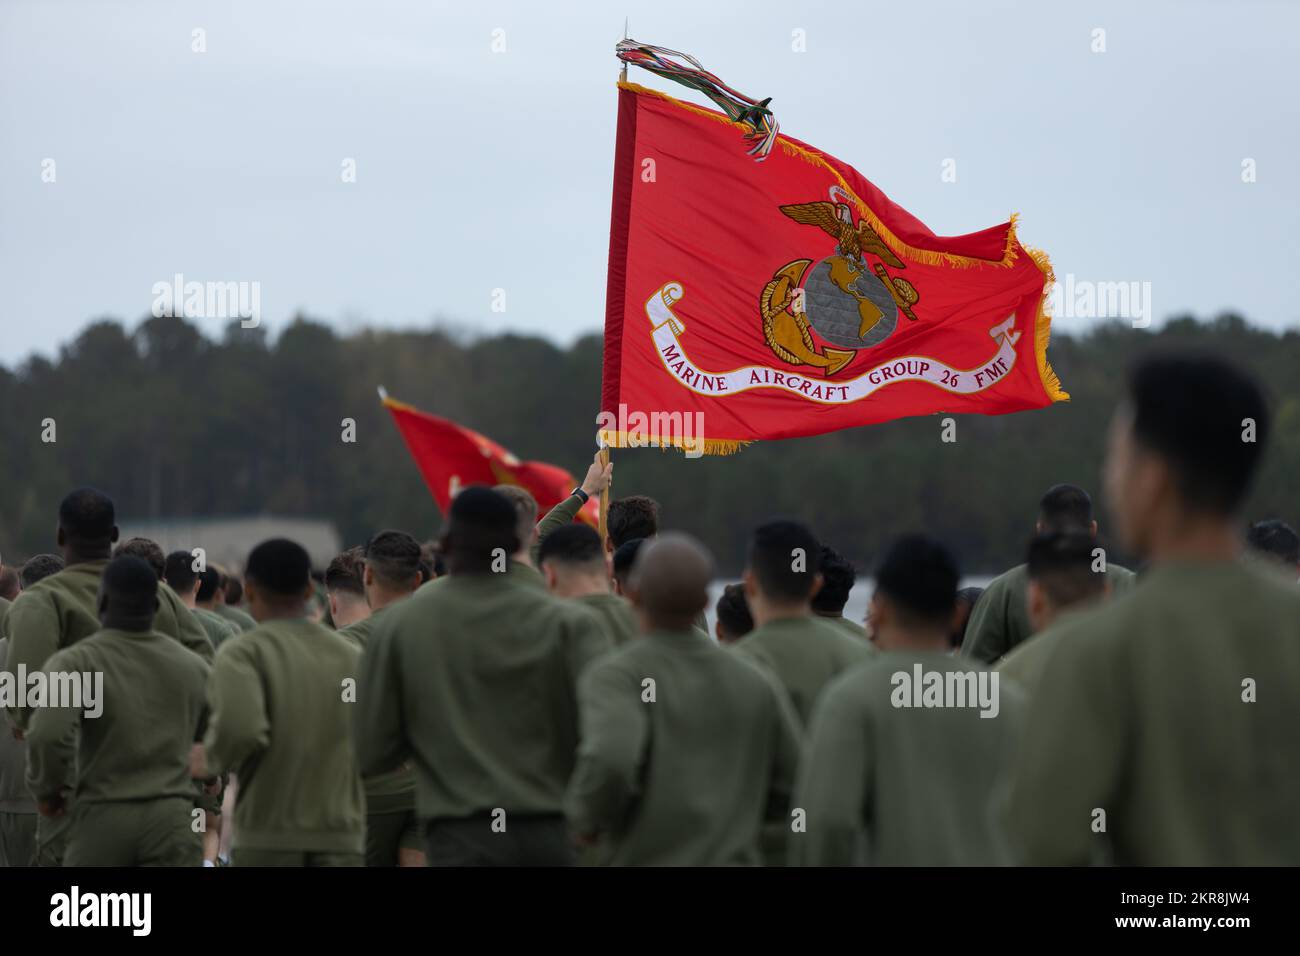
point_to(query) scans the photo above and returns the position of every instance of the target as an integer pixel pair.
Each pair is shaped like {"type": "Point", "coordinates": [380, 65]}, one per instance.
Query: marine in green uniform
{"type": "Point", "coordinates": [17, 808]}
{"type": "Point", "coordinates": [281, 697]}
{"type": "Point", "coordinates": [803, 651]}
{"type": "Point", "coordinates": [1164, 723]}
{"type": "Point", "coordinates": [61, 609]}
{"type": "Point", "coordinates": [474, 680]}
{"type": "Point", "coordinates": [9, 589]}
{"type": "Point", "coordinates": [346, 589]}
{"type": "Point", "coordinates": [905, 753]}
{"type": "Point", "coordinates": [576, 568]}
{"type": "Point", "coordinates": [186, 582]}
{"type": "Point", "coordinates": [731, 616]}
{"type": "Point", "coordinates": [598, 478]}
{"type": "Point", "coordinates": [520, 566]}
{"type": "Point", "coordinates": [999, 621]}
{"type": "Point", "coordinates": [134, 795]}
{"type": "Point", "coordinates": [225, 601]}
{"type": "Point", "coordinates": [686, 748]}
{"type": "Point", "coordinates": [1061, 581]}
{"type": "Point", "coordinates": [838, 577]}
{"type": "Point", "coordinates": [392, 570]}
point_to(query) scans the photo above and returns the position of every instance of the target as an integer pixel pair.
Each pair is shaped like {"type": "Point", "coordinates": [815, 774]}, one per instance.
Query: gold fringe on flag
{"type": "Point", "coordinates": [707, 446]}
{"type": "Point", "coordinates": [1043, 330]}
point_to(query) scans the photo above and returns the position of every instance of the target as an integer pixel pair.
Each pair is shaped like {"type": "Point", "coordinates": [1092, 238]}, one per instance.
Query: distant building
{"type": "Point", "coordinates": [227, 541]}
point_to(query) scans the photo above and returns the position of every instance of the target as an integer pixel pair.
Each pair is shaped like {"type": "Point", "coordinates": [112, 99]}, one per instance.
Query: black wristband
{"type": "Point", "coordinates": [581, 494]}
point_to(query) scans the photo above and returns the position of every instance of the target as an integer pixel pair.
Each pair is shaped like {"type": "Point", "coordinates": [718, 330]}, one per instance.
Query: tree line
{"type": "Point", "coordinates": [173, 423]}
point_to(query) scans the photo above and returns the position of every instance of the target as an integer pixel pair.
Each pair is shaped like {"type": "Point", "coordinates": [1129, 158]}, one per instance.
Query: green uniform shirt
{"type": "Point", "coordinates": [689, 778]}
{"type": "Point", "coordinates": [14, 795]}
{"type": "Point", "coordinates": [804, 653]}
{"type": "Point", "coordinates": [615, 614]}
{"type": "Point", "coordinates": [280, 720]}
{"type": "Point", "coordinates": [475, 680]}
{"type": "Point", "coordinates": [853, 630]}
{"type": "Point", "coordinates": [1000, 618]}
{"type": "Point", "coordinates": [4, 611]}
{"type": "Point", "coordinates": [889, 785]}
{"type": "Point", "coordinates": [61, 609]}
{"type": "Point", "coordinates": [215, 626]}
{"type": "Point", "coordinates": [237, 616]}
{"type": "Point", "coordinates": [1023, 664]}
{"type": "Point", "coordinates": [526, 575]}
{"type": "Point", "coordinates": [1173, 709]}
{"type": "Point", "coordinates": [392, 790]}
{"type": "Point", "coordinates": [138, 748]}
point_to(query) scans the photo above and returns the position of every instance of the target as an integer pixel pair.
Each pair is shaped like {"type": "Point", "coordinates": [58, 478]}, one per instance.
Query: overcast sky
{"type": "Point", "coordinates": [478, 170]}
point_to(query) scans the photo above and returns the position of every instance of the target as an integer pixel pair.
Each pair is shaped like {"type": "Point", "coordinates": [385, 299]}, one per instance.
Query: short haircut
{"type": "Point", "coordinates": [732, 611]}
{"type": "Point", "coordinates": [9, 583]}
{"type": "Point", "coordinates": [41, 566]}
{"type": "Point", "coordinates": [130, 585]}
{"type": "Point", "coordinates": [481, 521]}
{"type": "Point", "coordinates": [178, 571]}
{"type": "Point", "coordinates": [525, 506]}
{"type": "Point", "coordinates": [919, 577]}
{"type": "Point", "coordinates": [395, 558]}
{"type": "Point", "coordinates": [280, 567]}
{"type": "Point", "coordinates": [573, 545]}
{"type": "Point", "coordinates": [1060, 562]}
{"type": "Point", "coordinates": [232, 589]}
{"type": "Point", "coordinates": [1194, 412]}
{"type": "Point", "coordinates": [624, 557]}
{"type": "Point", "coordinates": [1276, 539]}
{"type": "Point", "coordinates": [838, 575]}
{"type": "Point", "coordinates": [343, 574]}
{"type": "Point", "coordinates": [783, 556]}
{"type": "Point", "coordinates": [635, 516]}
{"type": "Point", "coordinates": [146, 549]}
{"type": "Point", "coordinates": [87, 515]}
{"type": "Point", "coordinates": [209, 582]}
{"type": "Point", "coordinates": [1065, 508]}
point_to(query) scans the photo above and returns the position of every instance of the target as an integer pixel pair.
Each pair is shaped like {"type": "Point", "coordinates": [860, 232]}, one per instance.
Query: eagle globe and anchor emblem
{"type": "Point", "coordinates": [849, 303]}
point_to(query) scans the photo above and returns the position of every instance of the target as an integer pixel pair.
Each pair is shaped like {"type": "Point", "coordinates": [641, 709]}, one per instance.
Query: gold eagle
{"type": "Point", "coordinates": [835, 219]}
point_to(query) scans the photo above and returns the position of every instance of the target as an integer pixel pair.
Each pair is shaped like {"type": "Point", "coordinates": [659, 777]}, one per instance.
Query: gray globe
{"type": "Point", "coordinates": [834, 313]}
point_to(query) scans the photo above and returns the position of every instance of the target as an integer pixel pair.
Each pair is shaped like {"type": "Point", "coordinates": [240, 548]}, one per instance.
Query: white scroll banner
{"type": "Point", "coordinates": [912, 368]}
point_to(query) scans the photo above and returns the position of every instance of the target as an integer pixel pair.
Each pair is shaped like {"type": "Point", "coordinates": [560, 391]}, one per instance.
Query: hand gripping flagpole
{"type": "Point", "coordinates": [602, 525]}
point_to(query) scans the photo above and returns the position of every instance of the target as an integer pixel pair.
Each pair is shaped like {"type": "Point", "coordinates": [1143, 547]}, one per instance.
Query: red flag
{"type": "Point", "coordinates": [451, 457]}
{"type": "Point", "coordinates": [750, 300]}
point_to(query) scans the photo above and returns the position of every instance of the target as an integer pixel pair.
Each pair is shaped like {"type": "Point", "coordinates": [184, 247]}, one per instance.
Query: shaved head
{"type": "Point", "coordinates": [669, 583]}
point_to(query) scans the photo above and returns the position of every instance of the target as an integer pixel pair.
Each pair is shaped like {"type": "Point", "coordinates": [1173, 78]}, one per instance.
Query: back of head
{"type": "Point", "coordinates": [39, 567]}
{"type": "Point", "coordinates": [1060, 563]}
{"type": "Point", "coordinates": [178, 571]}
{"type": "Point", "coordinates": [783, 557]}
{"type": "Point", "coordinates": [732, 612]}
{"type": "Point", "coordinates": [395, 560]}
{"type": "Point", "coordinates": [623, 559]}
{"type": "Point", "coordinates": [669, 583]}
{"type": "Point", "coordinates": [278, 573]}
{"type": "Point", "coordinates": [88, 520]}
{"type": "Point", "coordinates": [9, 583]}
{"type": "Point", "coordinates": [147, 550]}
{"type": "Point", "coordinates": [128, 593]}
{"type": "Point", "coordinates": [838, 575]}
{"type": "Point", "coordinates": [918, 577]}
{"type": "Point", "coordinates": [431, 555]}
{"type": "Point", "coordinates": [232, 589]}
{"type": "Point", "coordinates": [481, 523]}
{"type": "Point", "coordinates": [209, 585]}
{"type": "Point", "coordinates": [343, 573]}
{"type": "Point", "coordinates": [575, 547]}
{"type": "Point", "coordinates": [1276, 540]}
{"type": "Point", "coordinates": [1195, 412]}
{"type": "Point", "coordinates": [635, 516]}
{"type": "Point", "coordinates": [525, 506]}
{"type": "Point", "coordinates": [1065, 508]}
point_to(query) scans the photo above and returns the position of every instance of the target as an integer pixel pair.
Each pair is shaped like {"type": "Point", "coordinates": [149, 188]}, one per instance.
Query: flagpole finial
{"type": "Point", "coordinates": [383, 393]}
